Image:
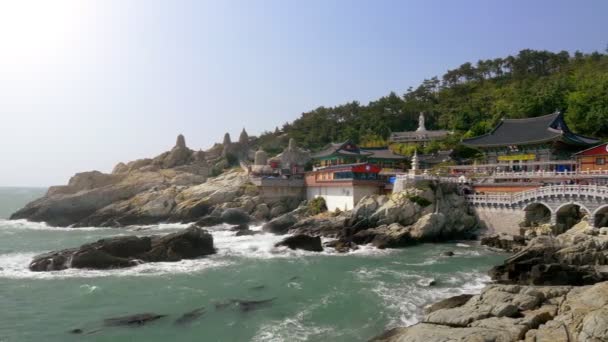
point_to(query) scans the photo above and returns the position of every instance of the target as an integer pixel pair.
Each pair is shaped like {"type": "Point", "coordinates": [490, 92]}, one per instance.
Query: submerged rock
{"type": "Point", "coordinates": [190, 316]}
{"type": "Point", "coordinates": [133, 320]}
{"type": "Point", "coordinates": [126, 251]}
{"type": "Point", "coordinates": [305, 242]}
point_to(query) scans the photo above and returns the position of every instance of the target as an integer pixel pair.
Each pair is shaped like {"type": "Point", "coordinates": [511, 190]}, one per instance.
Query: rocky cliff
{"type": "Point", "coordinates": [174, 186]}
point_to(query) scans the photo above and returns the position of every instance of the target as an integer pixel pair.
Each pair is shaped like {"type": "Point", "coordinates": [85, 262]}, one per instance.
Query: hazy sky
{"type": "Point", "coordinates": [86, 84]}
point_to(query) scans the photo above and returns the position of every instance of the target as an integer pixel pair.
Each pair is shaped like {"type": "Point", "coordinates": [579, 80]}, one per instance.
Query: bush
{"type": "Point", "coordinates": [421, 201]}
{"type": "Point", "coordinates": [317, 205]}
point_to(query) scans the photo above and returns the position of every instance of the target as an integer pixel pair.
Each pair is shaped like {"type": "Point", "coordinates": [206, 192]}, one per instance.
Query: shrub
{"type": "Point", "coordinates": [421, 201]}
{"type": "Point", "coordinates": [317, 205]}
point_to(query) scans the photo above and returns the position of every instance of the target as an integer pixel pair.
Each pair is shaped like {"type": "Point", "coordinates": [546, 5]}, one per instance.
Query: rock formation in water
{"type": "Point", "coordinates": [505, 313]}
{"type": "Point", "coordinates": [127, 251]}
{"type": "Point", "coordinates": [172, 187]}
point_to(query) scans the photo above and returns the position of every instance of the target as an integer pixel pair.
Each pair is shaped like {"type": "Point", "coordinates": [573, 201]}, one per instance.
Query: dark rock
{"type": "Point", "coordinates": [281, 224]}
{"type": "Point", "coordinates": [239, 227]}
{"type": "Point", "coordinates": [247, 232]}
{"type": "Point", "coordinates": [259, 287]}
{"type": "Point", "coordinates": [391, 236]}
{"type": "Point", "coordinates": [190, 316]}
{"type": "Point", "coordinates": [565, 260]}
{"type": "Point", "coordinates": [126, 251]}
{"type": "Point", "coordinates": [76, 331]}
{"type": "Point", "coordinates": [209, 221]}
{"type": "Point", "coordinates": [507, 242]}
{"type": "Point", "coordinates": [250, 305]}
{"type": "Point", "coordinates": [189, 243]}
{"type": "Point", "coordinates": [341, 246]}
{"type": "Point", "coordinates": [447, 254]}
{"type": "Point", "coordinates": [305, 242]}
{"type": "Point", "coordinates": [448, 303]}
{"type": "Point", "coordinates": [133, 320]}
{"type": "Point", "coordinates": [235, 216]}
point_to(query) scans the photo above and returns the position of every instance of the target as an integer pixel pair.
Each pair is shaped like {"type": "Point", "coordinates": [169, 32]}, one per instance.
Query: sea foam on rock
{"type": "Point", "coordinates": [126, 251]}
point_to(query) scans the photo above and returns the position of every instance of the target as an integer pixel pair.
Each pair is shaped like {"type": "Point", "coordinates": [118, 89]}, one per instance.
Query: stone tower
{"type": "Point", "coordinates": [244, 137]}
{"type": "Point", "coordinates": [227, 140]}
{"type": "Point", "coordinates": [181, 142]}
{"type": "Point", "coordinates": [261, 158]}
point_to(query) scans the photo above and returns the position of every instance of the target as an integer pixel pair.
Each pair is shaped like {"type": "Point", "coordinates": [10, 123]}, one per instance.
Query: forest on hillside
{"type": "Point", "coordinates": [468, 100]}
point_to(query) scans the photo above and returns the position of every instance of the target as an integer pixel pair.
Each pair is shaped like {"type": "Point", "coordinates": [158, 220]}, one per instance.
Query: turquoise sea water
{"type": "Point", "coordinates": [317, 296]}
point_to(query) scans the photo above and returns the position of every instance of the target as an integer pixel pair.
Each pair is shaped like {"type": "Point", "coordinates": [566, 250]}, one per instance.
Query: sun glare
{"type": "Point", "coordinates": [34, 31]}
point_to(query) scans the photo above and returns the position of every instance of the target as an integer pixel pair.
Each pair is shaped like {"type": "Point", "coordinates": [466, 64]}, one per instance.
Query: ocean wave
{"type": "Point", "coordinates": [296, 327]}
{"type": "Point", "coordinates": [29, 225]}
{"type": "Point", "coordinates": [15, 266]}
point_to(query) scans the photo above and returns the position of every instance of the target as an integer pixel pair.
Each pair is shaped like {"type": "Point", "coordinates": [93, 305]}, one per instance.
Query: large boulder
{"type": "Point", "coordinates": [126, 251]}
{"type": "Point", "coordinates": [305, 242]}
{"type": "Point", "coordinates": [391, 236]}
{"type": "Point", "coordinates": [504, 241]}
{"type": "Point", "coordinates": [572, 258]}
{"type": "Point", "coordinates": [235, 216]}
{"type": "Point", "coordinates": [281, 224]}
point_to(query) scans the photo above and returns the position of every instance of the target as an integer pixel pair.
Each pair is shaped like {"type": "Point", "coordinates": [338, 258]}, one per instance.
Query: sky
{"type": "Point", "coordinates": [86, 84]}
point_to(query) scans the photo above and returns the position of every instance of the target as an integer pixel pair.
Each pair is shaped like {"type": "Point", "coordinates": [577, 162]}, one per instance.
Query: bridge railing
{"type": "Point", "coordinates": [551, 190]}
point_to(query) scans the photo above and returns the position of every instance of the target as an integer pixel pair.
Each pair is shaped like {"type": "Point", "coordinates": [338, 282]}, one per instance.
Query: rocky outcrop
{"type": "Point", "coordinates": [513, 313]}
{"type": "Point", "coordinates": [507, 242]}
{"type": "Point", "coordinates": [305, 242]}
{"type": "Point", "coordinates": [139, 192]}
{"type": "Point", "coordinates": [126, 251]}
{"type": "Point", "coordinates": [576, 257]}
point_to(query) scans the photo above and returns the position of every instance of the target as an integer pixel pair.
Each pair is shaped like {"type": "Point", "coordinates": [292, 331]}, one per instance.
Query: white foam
{"type": "Point", "coordinates": [28, 225]}
{"type": "Point", "coordinates": [295, 327]}
{"type": "Point", "coordinates": [15, 266]}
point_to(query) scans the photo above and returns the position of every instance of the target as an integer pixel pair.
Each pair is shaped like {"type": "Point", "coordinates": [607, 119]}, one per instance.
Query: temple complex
{"type": "Point", "coordinates": [543, 143]}
{"type": "Point", "coordinates": [420, 136]}
{"type": "Point", "coordinates": [349, 153]}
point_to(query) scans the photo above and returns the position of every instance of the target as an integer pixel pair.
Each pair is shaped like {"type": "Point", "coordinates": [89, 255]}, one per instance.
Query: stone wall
{"type": "Point", "coordinates": [499, 220]}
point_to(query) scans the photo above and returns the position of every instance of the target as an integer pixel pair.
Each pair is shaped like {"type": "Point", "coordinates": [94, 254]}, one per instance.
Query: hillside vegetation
{"type": "Point", "coordinates": [469, 101]}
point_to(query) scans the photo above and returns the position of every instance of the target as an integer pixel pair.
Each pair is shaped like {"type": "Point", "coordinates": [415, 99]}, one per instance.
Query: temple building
{"type": "Point", "coordinates": [419, 136]}
{"type": "Point", "coordinates": [543, 143]}
{"type": "Point", "coordinates": [342, 186]}
{"type": "Point", "coordinates": [349, 153]}
{"type": "Point", "coordinates": [593, 160]}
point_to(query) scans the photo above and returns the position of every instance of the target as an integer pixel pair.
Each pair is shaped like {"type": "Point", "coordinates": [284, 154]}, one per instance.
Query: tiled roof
{"type": "Point", "coordinates": [536, 130]}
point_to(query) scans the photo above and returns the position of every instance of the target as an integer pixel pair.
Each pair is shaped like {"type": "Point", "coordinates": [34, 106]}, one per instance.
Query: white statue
{"type": "Point", "coordinates": [421, 126]}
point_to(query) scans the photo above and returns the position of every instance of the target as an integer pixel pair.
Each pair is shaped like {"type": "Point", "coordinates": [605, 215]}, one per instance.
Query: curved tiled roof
{"type": "Point", "coordinates": [551, 127]}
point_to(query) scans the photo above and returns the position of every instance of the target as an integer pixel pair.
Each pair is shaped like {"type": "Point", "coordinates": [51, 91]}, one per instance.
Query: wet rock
{"type": "Point", "coordinates": [507, 242]}
{"type": "Point", "coordinates": [341, 246]}
{"type": "Point", "coordinates": [76, 331]}
{"type": "Point", "coordinates": [247, 232]}
{"type": "Point", "coordinates": [209, 221]}
{"type": "Point", "coordinates": [391, 236]}
{"type": "Point", "coordinates": [190, 316]}
{"type": "Point", "coordinates": [281, 224]}
{"type": "Point", "coordinates": [240, 227]}
{"type": "Point", "coordinates": [251, 305]}
{"type": "Point", "coordinates": [126, 251]}
{"type": "Point", "coordinates": [447, 254]}
{"type": "Point", "coordinates": [449, 303]}
{"type": "Point", "coordinates": [235, 216]}
{"type": "Point", "coordinates": [133, 320]}
{"type": "Point", "coordinates": [305, 242]}
{"type": "Point", "coordinates": [257, 288]}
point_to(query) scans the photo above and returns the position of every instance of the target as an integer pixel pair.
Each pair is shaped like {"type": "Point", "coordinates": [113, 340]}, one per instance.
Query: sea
{"type": "Point", "coordinates": [307, 296]}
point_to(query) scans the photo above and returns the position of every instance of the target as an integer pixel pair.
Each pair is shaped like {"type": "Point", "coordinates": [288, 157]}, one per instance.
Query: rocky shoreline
{"type": "Point", "coordinates": [552, 288]}
{"type": "Point", "coordinates": [555, 288]}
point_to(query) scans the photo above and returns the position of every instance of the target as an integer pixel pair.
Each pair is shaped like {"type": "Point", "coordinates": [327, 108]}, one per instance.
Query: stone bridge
{"type": "Point", "coordinates": [591, 200]}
